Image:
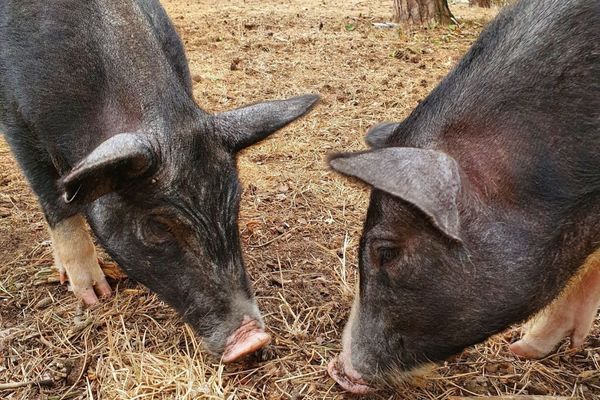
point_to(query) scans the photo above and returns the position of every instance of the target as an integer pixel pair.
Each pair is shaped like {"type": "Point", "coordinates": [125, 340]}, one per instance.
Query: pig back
{"type": "Point", "coordinates": [82, 71]}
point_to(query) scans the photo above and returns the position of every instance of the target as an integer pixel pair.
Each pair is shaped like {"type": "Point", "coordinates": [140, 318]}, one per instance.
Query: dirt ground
{"type": "Point", "coordinates": [300, 225]}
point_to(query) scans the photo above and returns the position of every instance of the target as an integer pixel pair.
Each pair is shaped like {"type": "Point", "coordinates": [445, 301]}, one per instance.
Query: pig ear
{"type": "Point", "coordinates": [245, 126]}
{"type": "Point", "coordinates": [378, 135]}
{"type": "Point", "coordinates": [427, 179]}
{"type": "Point", "coordinates": [109, 167]}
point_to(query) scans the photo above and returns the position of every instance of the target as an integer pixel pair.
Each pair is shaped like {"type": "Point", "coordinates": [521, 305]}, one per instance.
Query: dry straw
{"type": "Point", "coordinates": [300, 225]}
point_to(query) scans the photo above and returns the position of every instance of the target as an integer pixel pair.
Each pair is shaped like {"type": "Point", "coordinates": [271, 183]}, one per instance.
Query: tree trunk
{"type": "Point", "coordinates": [421, 12]}
{"type": "Point", "coordinates": [480, 3]}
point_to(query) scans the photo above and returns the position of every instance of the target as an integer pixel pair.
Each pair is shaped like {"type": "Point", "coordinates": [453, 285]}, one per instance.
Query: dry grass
{"type": "Point", "coordinates": [300, 225]}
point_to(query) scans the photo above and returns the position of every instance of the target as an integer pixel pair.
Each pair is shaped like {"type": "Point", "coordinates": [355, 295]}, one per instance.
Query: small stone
{"type": "Point", "coordinates": [491, 368]}
{"type": "Point", "coordinates": [46, 380]}
{"type": "Point", "coordinates": [474, 387]}
{"type": "Point", "coordinates": [585, 375]}
{"type": "Point", "coordinates": [43, 303]}
{"type": "Point", "coordinates": [235, 64]}
{"type": "Point", "coordinates": [536, 389]}
{"type": "Point", "coordinates": [584, 388]}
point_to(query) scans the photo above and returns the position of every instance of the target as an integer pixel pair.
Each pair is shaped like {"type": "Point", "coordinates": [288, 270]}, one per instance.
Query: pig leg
{"type": "Point", "coordinates": [572, 314]}
{"type": "Point", "coordinates": [74, 252]}
{"type": "Point", "coordinates": [75, 257]}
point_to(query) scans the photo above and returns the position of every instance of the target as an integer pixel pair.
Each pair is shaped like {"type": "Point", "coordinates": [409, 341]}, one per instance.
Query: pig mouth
{"type": "Point", "coordinates": [347, 378]}
{"type": "Point", "coordinates": [247, 339]}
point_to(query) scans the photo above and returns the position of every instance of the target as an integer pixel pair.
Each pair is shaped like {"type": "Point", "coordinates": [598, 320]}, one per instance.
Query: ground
{"type": "Point", "coordinates": [300, 225]}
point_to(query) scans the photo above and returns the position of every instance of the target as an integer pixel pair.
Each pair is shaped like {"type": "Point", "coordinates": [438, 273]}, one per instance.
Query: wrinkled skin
{"type": "Point", "coordinates": [177, 234]}
{"type": "Point", "coordinates": [485, 201]}
{"type": "Point", "coordinates": [96, 103]}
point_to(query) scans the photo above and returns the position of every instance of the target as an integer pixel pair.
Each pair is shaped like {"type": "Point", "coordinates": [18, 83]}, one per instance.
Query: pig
{"type": "Point", "coordinates": [485, 202]}
{"type": "Point", "coordinates": [96, 104]}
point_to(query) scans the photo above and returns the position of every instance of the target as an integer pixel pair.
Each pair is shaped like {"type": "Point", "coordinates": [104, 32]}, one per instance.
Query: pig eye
{"type": "Point", "coordinates": [385, 255]}
{"type": "Point", "coordinates": [157, 230]}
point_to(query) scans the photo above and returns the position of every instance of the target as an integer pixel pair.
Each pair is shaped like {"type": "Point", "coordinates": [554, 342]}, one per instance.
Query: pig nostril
{"type": "Point", "coordinates": [248, 338]}
{"type": "Point", "coordinates": [347, 377]}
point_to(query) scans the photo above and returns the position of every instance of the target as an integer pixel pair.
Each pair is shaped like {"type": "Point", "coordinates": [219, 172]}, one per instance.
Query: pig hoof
{"type": "Point", "coordinates": [88, 296]}
{"type": "Point", "coordinates": [577, 340]}
{"type": "Point", "coordinates": [524, 349]}
{"type": "Point", "coordinates": [247, 339]}
{"type": "Point", "coordinates": [91, 295]}
{"type": "Point", "coordinates": [62, 276]}
{"type": "Point", "coordinates": [103, 288]}
{"type": "Point", "coordinates": [75, 257]}
{"type": "Point", "coordinates": [352, 384]}
{"type": "Point", "coordinates": [571, 315]}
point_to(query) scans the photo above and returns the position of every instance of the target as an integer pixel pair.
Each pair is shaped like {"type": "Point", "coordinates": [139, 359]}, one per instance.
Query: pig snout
{"type": "Point", "coordinates": [247, 339]}
{"type": "Point", "coordinates": [230, 330]}
{"type": "Point", "coordinates": [341, 370]}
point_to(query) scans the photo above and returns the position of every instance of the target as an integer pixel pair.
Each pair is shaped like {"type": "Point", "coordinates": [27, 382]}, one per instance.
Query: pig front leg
{"type": "Point", "coordinates": [572, 314]}
{"type": "Point", "coordinates": [75, 257]}
{"type": "Point", "coordinates": [74, 252]}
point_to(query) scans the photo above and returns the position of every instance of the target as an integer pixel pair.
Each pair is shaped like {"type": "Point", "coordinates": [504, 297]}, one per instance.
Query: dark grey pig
{"type": "Point", "coordinates": [485, 202]}
{"type": "Point", "coordinates": [96, 103]}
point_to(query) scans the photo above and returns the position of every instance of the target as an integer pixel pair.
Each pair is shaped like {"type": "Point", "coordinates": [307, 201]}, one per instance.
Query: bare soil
{"type": "Point", "coordinates": [300, 225]}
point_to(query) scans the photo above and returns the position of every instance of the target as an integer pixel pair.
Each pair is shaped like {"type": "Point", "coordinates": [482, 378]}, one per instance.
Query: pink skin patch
{"type": "Point", "coordinates": [570, 315]}
{"type": "Point", "coordinates": [340, 369]}
{"type": "Point", "coordinates": [90, 296]}
{"type": "Point", "coordinates": [76, 260]}
{"type": "Point", "coordinates": [247, 339]}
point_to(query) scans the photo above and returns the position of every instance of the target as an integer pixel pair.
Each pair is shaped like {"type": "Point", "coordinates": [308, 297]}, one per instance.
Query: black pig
{"type": "Point", "coordinates": [96, 103]}
{"type": "Point", "coordinates": [485, 201]}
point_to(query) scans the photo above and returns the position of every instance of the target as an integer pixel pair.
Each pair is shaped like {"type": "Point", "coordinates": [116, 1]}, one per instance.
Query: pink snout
{"type": "Point", "coordinates": [247, 339]}
{"type": "Point", "coordinates": [341, 370]}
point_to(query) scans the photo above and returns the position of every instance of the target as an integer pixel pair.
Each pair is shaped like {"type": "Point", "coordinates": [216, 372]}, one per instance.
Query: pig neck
{"type": "Point", "coordinates": [138, 87]}
{"type": "Point", "coordinates": [520, 117]}
{"type": "Point", "coordinates": [170, 115]}
{"type": "Point", "coordinates": [546, 247]}
{"type": "Point", "coordinates": [518, 229]}
{"type": "Point", "coordinates": [530, 206]}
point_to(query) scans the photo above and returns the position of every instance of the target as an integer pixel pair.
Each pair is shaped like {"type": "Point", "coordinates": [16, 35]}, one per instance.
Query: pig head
{"type": "Point", "coordinates": [165, 207]}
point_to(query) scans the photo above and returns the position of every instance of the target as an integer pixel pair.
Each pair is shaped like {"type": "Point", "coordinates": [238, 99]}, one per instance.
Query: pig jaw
{"type": "Point", "coordinates": [343, 368]}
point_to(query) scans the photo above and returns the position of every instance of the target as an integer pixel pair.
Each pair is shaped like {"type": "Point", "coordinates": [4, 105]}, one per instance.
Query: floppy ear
{"type": "Point", "coordinates": [248, 125]}
{"type": "Point", "coordinates": [378, 135]}
{"type": "Point", "coordinates": [110, 166]}
{"type": "Point", "coordinates": [428, 179]}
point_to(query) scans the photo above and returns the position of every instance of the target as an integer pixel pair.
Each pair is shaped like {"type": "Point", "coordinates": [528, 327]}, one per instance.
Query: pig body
{"type": "Point", "coordinates": [486, 199]}
{"type": "Point", "coordinates": [96, 103]}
